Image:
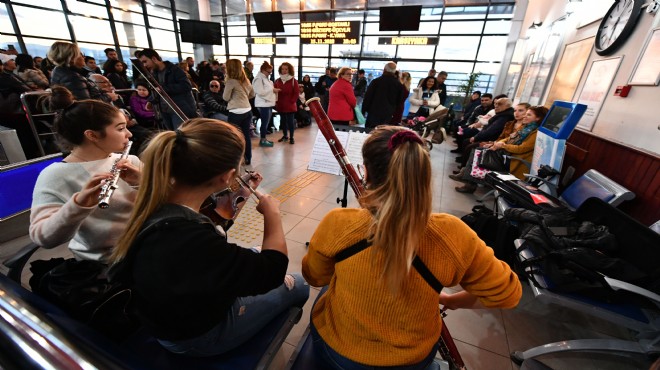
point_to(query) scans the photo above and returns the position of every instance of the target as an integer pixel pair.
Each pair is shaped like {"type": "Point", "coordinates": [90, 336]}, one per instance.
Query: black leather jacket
{"type": "Point", "coordinates": [81, 87]}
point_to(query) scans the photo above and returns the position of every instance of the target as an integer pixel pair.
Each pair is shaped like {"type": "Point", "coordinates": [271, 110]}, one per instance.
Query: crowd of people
{"type": "Point", "coordinates": [200, 295]}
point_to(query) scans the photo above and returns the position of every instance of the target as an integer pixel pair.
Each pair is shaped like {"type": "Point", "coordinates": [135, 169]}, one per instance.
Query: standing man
{"type": "Point", "coordinates": [327, 84]}
{"type": "Point", "coordinates": [248, 67]}
{"type": "Point", "coordinates": [442, 88]}
{"type": "Point", "coordinates": [175, 83]}
{"type": "Point", "coordinates": [382, 97]}
{"type": "Point", "coordinates": [191, 70]}
{"type": "Point", "coordinates": [360, 87]}
{"type": "Point", "coordinates": [111, 53]}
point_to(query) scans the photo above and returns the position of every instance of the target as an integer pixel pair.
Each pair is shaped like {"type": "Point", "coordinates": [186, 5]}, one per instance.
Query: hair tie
{"type": "Point", "coordinates": [403, 137]}
{"type": "Point", "coordinates": [180, 138]}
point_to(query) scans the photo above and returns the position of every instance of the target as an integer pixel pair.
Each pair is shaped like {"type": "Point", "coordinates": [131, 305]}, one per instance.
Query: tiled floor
{"type": "Point", "coordinates": [484, 337]}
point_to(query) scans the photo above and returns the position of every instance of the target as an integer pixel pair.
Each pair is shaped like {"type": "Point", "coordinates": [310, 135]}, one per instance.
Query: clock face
{"type": "Point", "coordinates": [617, 25]}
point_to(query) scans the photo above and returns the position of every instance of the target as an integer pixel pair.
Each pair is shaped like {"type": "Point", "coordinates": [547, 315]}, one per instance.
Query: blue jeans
{"type": "Point", "coordinates": [339, 362]}
{"type": "Point", "coordinates": [265, 114]}
{"type": "Point", "coordinates": [287, 120]}
{"type": "Point", "coordinates": [243, 122]}
{"type": "Point", "coordinates": [246, 317]}
{"type": "Point", "coordinates": [171, 121]}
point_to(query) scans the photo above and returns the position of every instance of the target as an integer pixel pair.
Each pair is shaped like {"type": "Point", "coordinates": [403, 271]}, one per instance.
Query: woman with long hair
{"type": "Point", "coordinates": [32, 76]}
{"type": "Point", "coordinates": [424, 98]}
{"type": "Point", "coordinates": [115, 71]}
{"type": "Point", "coordinates": [66, 195]}
{"type": "Point", "coordinates": [309, 87]}
{"type": "Point", "coordinates": [266, 96]}
{"type": "Point", "coordinates": [342, 100]}
{"type": "Point", "coordinates": [238, 92]}
{"type": "Point", "coordinates": [69, 72]}
{"type": "Point", "coordinates": [286, 101]}
{"type": "Point", "coordinates": [198, 294]}
{"type": "Point", "coordinates": [378, 310]}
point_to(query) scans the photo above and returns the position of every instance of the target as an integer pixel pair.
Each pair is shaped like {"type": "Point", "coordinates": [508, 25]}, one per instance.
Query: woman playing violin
{"type": "Point", "coordinates": [198, 294]}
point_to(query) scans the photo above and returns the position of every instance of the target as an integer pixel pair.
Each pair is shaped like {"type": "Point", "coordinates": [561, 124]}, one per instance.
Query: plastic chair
{"type": "Point", "coordinates": [40, 122]}
{"type": "Point", "coordinates": [639, 246]}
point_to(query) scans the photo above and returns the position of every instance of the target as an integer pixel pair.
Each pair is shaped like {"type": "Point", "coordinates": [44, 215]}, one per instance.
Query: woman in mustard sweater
{"type": "Point", "coordinates": [378, 310]}
{"type": "Point", "coordinates": [521, 142]}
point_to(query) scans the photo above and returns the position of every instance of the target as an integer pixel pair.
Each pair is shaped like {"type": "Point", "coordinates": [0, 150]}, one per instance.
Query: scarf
{"type": "Point", "coordinates": [285, 77]}
{"type": "Point", "coordinates": [519, 136]}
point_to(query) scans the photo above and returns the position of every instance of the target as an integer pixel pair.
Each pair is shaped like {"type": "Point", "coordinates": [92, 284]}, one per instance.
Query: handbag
{"type": "Point", "coordinates": [494, 160]}
{"type": "Point", "coordinates": [478, 172]}
{"type": "Point", "coordinates": [358, 116]}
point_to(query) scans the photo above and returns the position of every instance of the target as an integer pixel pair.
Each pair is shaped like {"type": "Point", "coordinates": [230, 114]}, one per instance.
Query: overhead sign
{"type": "Point", "coordinates": [265, 40]}
{"type": "Point", "coordinates": [339, 32]}
{"type": "Point", "coordinates": [407, 40]}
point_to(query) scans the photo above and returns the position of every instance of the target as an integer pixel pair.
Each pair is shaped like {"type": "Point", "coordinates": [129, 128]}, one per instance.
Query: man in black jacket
{"type": "Point", "coordinates": [382, 97]}
{"type": "Point", "coordinates": [175, 83]}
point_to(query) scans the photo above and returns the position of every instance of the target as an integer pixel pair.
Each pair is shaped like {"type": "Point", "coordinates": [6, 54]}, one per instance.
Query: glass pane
{"type": "Point", "coordinates": [6, 40]}
{"type": "Point", "coordinates": [373, 68]}
{"type": "Point", "coordinates": [288, 6]}
{"type": "Point", "coordinates": [127, 17]}
{"type": "Point", "coordinates": [163, 23]}
{"type": "Point", "coordinates": [346, 51]}
{"type": "Point", "coordinates": [492, 48]}
{"type": "Point", "coordinates": [88, 9]}
{"type": "Point", "coordinates": [132, 35]}
{"type": "Point", "coordinates": [373, 50]}
{"type": "Point", "coordinates": [187, 48]}
{"type": "Point", "coordinates": [237, 45]}
{"type": "Point", "coordinates": [91, 29]}
{"type": "Point", "coordinates": [259, 6]}
{"type": "Point", "coordinates": [501, 27]}
{"type": "Point", "coordinates": [169, 56]}
{"type": "Point", "coordinates": [37, 47]}
{"type": "Point", "coordinates": [314, 67]}
{"type": "Point", "coordinates": [95, 51]}
{"type": "Point", "coordinates": [123, 4]}
{"type": "Point", "coordinates": [37, 22]}
{"type": "Point", "coordinates": [316, 50]}
{"type": "Point", "coordinates": [348, 4]}
{"type": "Point", "coordinates": [44, 4]}
{"type": "Point", "coordinates": [163, 39]}
{"type": "Point", "coordinates": [458, 47]}
{"type": "Point", "coordinates": [353, 63]}
{"type": "Point", "coordinates": [488, 68]}
{"type": "Point", "coordinates": [237, 31]}
{"type": "Point", "coordinates": [257, 49]}
{"type": "Point", "coordinates": [5, 22]}
{"type": "Point", "coordinates": [429, 28]}
{"type": "Point", "coordinates": [291, 48]}
{"type": "Point", "coordinates": [474, 27]}
{"type": "Point", "coordinates": [291, 29]}
{"type": "Point", "coordinates": [470, 12]}
{"type": "Point", "coordinates": [219, 52]}
{"type": "Point", "coordinates": [416, 51]}
{"type": "Point", "coordinates": [417, 70]}
{"type": "Point", "coordinates": [233, 7]}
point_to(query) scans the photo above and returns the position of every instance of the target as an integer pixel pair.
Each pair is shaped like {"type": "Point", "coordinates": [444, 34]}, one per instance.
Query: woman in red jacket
{"type": "Point", "coordinates": [286, 100]}
{"type": "Point", "coordinates": [342, 98]}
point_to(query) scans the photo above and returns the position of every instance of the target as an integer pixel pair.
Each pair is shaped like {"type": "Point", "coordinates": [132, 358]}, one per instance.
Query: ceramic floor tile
{"type": "Point", "coordinates": [299, 205]}
{"type": "Point", "coordinates": [296, 333]}
{"type": "Point", "coordinates": [282, 357]}
{"type": "Point", "coordinates": [296, 251]}
{"type": "Point", "coordinates": [480, 328]}
{"type": "Point", "coordinates": [289, 220]}
{"type": "Point", "coordinates": [317, 192]}
{"type": "Point", "coordinates": [321, 210]}
{"type": "Point", "coordinates": [476, 358]}
{"type": "Point", "coordinates": [303, 231]}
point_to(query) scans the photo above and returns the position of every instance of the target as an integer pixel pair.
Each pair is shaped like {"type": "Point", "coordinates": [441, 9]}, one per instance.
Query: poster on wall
{"type": "Point", "coordinates": [595, 89]}
{"type": "Point", "coordinates": [523, 78]}
{"type": "Point", "coordinates": [570, 69]}
{"type": "Point", "coordinates": [647, 70]}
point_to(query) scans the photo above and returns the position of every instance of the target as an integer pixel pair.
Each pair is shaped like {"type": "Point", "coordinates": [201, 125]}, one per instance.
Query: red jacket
{"type": "Point", "coordinates": [342, 101]}
{"type": "Point", "coordinates": [287, 97]}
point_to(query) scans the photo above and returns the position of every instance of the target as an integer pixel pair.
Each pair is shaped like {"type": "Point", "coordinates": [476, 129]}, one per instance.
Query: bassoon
{"type": "Point", "coordinates": [446, 345]}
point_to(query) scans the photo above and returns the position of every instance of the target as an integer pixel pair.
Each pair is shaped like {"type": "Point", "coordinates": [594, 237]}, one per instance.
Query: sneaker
{"type": "Point", "coordinates": [292, 141]}
{"type": "Point", "coordinates": [468, 188]}
{"type": "Point", "coordinates": [266, 143]}
{"type": "Point", "coordinates": [284, 138]}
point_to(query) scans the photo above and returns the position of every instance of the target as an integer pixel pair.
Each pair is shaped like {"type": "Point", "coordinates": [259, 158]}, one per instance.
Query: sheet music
{"type": "Point", "coordinates": [323, 160]}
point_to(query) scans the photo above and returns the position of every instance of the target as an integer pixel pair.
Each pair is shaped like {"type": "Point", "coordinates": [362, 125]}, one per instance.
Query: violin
{"type": "Point", "coordinates": [223, 207]}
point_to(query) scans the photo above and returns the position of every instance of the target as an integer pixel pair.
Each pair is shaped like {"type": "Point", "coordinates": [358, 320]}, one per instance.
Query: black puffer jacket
{"type": "Point", "coordinates": [81, 87]}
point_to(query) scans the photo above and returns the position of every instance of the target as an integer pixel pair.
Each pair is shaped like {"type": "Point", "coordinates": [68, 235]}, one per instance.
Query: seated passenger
{"type": "Point", "coordinates": [424, 98]}
{"type": "Point", "coordinates": [303, 117]}
{"type": "Point", "coordinates": [214, 106]}
{"type": "Point", "coordinates": [378, 310]}
{"type": "Point", "coordinates": [66, 195]}
{"type": "Point", "coordinates": [198, 294]}
{"type": "Point", "coordinates": [115, 71]}
{"type": "Point", "coordinates": [32, 76]}
{"type": "Point", "coordinates": [11, 88]}
{"type": "Point", "coordinates": [520, 144]}
{"type": "Point", "coordinates": [142, 106]}
{"type": "Point", "coordinates": [69, 70]}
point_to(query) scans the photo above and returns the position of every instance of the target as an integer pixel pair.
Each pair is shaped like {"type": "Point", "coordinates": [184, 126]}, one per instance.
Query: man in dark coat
{"type": "Point", "coordinates": [175, 83]}
{"type": "Point", "coordinates": [382, 97]}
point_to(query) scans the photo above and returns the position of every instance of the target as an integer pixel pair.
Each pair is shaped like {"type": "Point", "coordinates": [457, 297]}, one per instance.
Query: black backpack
{"type": "Point", "coordinates": [497, 233]}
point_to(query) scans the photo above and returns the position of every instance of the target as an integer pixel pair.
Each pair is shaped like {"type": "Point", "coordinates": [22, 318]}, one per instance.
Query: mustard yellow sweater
{"type": "Point", "coordinates": [362, 320]}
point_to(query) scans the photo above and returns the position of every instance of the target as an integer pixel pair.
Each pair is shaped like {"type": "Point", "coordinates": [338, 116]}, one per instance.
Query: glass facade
{"type": "Point", "coordinates": [461, 39]}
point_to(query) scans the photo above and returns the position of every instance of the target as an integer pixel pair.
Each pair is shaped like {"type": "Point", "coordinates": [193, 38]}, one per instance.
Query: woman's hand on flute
{"type": "Point", "coordinates": [88, 196]}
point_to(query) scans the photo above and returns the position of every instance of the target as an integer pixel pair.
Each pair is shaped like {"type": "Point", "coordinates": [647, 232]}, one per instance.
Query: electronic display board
{"type": "Point", "coordinates": [336, 32]}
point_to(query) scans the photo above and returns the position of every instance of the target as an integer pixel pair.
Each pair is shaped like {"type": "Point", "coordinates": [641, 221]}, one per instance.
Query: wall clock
{"type": "Point", "coordinates": [617, 25]}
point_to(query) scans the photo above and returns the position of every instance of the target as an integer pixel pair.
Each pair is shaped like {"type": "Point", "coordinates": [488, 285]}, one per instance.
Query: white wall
{"type": "Point", "coordinates": [634, 120]}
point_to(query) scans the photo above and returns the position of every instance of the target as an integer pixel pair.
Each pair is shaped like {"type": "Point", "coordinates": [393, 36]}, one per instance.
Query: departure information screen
{"type": "Point", "coordinates": [339, 32]}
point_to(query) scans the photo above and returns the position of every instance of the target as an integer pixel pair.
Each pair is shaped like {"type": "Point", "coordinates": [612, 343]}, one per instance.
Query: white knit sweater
{"type": "Point", "coordinates": [56, 219]}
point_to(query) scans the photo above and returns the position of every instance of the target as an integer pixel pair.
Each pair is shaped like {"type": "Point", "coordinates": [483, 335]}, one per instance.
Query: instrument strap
{"type": "Point", "coordinates": [418, 264]}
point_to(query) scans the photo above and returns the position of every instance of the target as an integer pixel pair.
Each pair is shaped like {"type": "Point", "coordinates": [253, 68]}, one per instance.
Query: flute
{"type": "Point", "coordinates": [109, 186]}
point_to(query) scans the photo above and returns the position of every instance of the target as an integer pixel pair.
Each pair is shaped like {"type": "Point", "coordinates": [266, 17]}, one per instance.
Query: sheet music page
{"type": "Point", "coordinates": [322, 159]}
{"type": "Point", "coordinates": [354, 147]}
